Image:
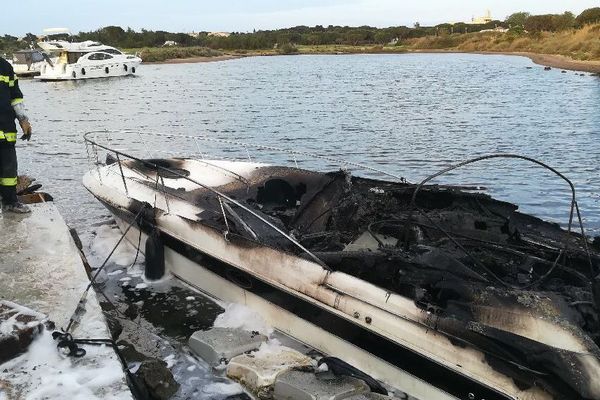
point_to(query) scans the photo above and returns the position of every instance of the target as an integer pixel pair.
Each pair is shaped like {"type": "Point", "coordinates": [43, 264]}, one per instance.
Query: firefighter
{"type": "Point", "coordinates": [11, 109]}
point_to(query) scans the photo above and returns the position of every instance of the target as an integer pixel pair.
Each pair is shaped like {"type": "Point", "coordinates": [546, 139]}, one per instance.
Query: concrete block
{"type": "Point", "coordinates": [298, 385]}
{"type": "Point", "coordinates": [222, 344]}
{"type": "Point", "coordinates": [257, 371]}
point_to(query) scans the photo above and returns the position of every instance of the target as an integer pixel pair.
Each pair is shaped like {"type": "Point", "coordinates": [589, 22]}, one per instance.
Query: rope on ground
{"type": "Point", "coordinates": [66, 340]}
{"type": "Point", "coordinates": [80, 309]}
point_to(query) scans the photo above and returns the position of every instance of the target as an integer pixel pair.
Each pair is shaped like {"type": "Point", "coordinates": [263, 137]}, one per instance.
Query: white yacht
{"type": "Point", "coordinates": [85, 60]}
{"type": "Point", "coordinates": [28, 62]}
{"type": "Point", "coordinates": [448, 295]}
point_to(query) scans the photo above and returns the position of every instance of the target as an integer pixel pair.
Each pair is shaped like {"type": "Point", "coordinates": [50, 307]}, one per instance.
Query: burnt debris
{"type": "Point", "coordinates": [473, 262]}
{"type": "Point", "coordinates": [459, 252]}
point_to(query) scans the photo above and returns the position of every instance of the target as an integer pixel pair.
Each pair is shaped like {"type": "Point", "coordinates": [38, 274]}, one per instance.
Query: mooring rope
{"type": "Point", "coordinates": [80, 308]}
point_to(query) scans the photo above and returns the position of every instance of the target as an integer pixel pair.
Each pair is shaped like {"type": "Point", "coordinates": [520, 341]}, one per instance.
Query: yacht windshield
{"type": "Point", "coordinates": [112, 51]}
{"type": "Point", "coordinates": [74, 56]}
{"type": "Point", "coordinates": [28, 57]}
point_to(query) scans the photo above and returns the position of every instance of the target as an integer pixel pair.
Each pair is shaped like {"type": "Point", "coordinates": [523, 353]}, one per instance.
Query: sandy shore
{"type": "Point", "coordinates": [550, 60]}
{"type": "Point", "coordinates": [562, 62]}
{"type": "Point", "coordinates": [193, 60]}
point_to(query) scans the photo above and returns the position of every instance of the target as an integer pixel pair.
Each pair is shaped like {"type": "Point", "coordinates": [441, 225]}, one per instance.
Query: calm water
{"type": "Point", "coordinates": [409, 114]}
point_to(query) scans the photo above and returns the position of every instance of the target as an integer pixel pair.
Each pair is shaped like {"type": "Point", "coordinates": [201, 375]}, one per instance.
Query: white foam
{"type": "Point", "coordinates": [242, 317]}
{"type": "Point", "coordinates": [223, 389]}
{"type": "Point", "coordinates": [170, 360]}
{"type": "Point", "coordinates": [105, 239]}
{"type": "Point", "coordinates": [50, 375]}
{"type": "Point", "coordinates": [117, 272]}
{"type": "Point", "coordinates": [271, 346]}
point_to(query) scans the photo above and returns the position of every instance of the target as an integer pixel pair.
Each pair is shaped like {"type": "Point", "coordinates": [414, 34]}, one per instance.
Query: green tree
{"type": "Point", "coordinates": [564, 21]}
{"type": "Point", "coordinates": [540, 23]}
{"type": "Point", "coordinates": [517, 19]}
{"type": "Point", "coordinates": [589, 16]}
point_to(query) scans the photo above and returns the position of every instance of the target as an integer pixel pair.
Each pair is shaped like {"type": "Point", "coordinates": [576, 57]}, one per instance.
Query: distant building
{"type": "Point", "coordinates": [496, 29]}
{"type": "Point", "coordinates": [170, 43]}
{"type": "Point", "coordinates": [481, 20]}
{"type": "Point", "coordinates": [219, 34]}
{"type": "Point", "coordinates": [194, 34]}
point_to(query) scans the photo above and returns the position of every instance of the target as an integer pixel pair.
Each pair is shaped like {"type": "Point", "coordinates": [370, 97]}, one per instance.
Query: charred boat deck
{"type": "Point", "coordinates": [442, 283]}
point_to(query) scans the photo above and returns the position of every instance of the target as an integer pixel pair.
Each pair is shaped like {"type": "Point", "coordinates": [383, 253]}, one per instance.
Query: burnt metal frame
{"type": "Point", "coordinates": [224, 204]}
{"type": "Point", "coordinates": [574, 207]}
{"type": "Point", "coordinates": [220, 196]}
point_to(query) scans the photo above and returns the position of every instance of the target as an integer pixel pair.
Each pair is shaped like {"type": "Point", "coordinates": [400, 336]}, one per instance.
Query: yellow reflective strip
{"type": "Point", "coordinates": [8, 181]}
{"type": "Point", "coordinates": [8, 136]}
{"type": "Point", "coordinates": [12, 83]}
{"type": "Point", "coordinates": [4, 78]}
{"type": "Point", "coordinates": [16, 101]}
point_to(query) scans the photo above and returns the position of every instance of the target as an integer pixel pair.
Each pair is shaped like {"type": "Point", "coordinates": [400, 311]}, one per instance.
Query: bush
{"type": "Point", "coordinates": [171, 53]}
{"type": "Point", "coordinates": [589, 16]}
{"type": "Point", "coordinates": [287, 48]}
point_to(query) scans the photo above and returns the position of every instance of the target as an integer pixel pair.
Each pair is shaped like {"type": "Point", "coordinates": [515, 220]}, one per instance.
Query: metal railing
{"type": "Point", "coordinates": [199, 148]}
{"type": "Point", "coordinates": [110, 142]}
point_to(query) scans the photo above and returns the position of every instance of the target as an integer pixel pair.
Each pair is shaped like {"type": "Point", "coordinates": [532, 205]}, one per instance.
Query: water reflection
{"type": "Point", "coordinates": [410, 114]}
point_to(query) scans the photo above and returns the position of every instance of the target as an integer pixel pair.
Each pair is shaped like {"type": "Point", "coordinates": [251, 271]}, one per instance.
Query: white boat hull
{"type": "Point", "coordinates": [71, 72]}
{"type": "Point", "coordinates": [380, 332]}
{"type": "Point", "coordinates": [25, 70]}
{"type": "Point", "coordinates": [218, 288]}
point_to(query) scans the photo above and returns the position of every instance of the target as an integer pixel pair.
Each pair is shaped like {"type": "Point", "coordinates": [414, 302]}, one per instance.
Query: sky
{"type": "Point", "coordinates": [244, 16]}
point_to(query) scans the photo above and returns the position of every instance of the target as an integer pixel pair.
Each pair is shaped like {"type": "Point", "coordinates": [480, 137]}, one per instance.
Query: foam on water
{"type": "Point", "coordinates": [51, 375]}
{"type": "Point", "coordinates": [242, 317]}
{"type": "Point", "coordinates": [222, 388]}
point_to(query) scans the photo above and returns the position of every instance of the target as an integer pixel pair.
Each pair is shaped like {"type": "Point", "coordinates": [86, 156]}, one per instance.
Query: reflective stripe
{"type": "Point", "coordinates": [16, 101]}
{"type": "Point", "coordinates": [8, 136]}
{"type": "Point", "coordinates": [8, 181]}
{"type": "Point", "coordinates": [6, 79]}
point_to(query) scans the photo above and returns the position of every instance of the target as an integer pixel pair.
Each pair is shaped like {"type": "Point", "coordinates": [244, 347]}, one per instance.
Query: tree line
{"type": "Point", "coordinates": [520, 22]}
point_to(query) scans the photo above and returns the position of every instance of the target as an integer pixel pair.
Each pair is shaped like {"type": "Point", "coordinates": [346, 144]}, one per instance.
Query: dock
{"type": "Point", "coordinates": [42, 274]}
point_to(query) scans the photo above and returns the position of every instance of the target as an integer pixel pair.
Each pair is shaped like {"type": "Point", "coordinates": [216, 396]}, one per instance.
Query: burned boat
{"type": "Point", "coordinates": [440, 291]}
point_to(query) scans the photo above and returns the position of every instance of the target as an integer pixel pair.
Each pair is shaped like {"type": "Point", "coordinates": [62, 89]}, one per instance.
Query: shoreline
{"type": "Point", "coordinates": [195, 60]}
{"type": "Point", "coordinates": [550, 60]}
{"type": "Point", "coordinates": [561, 62]}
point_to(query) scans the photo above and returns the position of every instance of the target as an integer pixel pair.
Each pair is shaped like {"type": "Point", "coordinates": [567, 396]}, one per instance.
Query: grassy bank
{"type": "Point", "coordinates": [580, 44]}
{"type": "Point", "coordinates": [576, 44]}
{"type": "Point", "coordinates": [159, 54]}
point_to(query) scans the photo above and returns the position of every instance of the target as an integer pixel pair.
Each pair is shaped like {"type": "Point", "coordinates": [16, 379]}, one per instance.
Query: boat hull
{"type": "Point", "coordinates": [219, 288]}
{"type": "Point", "coordinates": [72, 72]}
{"type": "Point", "coordinates": [400, 342]}
{"type": "Point", "coordinates": [324, 328]}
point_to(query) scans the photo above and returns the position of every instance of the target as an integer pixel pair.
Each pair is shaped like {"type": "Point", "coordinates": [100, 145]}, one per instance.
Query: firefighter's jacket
{"type": "Point", "coordinates": [10, 94]}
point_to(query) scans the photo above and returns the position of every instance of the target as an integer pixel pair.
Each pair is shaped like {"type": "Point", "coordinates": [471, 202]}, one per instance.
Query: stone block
{"type": "Point", "coordinates": [258, 370]}
{"type": "Point", "coordinates": [222, 344]}
{"type": "Point", "coordinates": [298, 385]}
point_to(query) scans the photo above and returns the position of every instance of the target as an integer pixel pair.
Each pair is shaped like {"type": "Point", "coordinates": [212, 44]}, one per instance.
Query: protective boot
{"type": "Point", "coordinates": [16, 208]}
